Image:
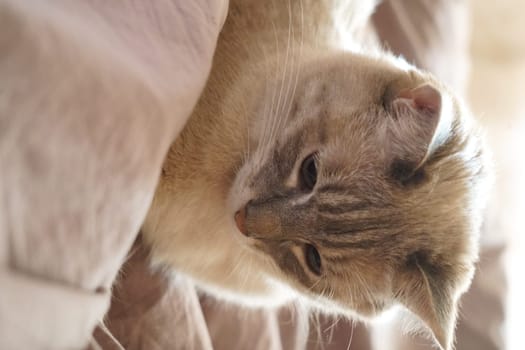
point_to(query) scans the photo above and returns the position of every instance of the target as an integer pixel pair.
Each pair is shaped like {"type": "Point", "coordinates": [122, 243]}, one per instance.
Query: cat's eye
{"type": "Point", "coordinates": [313, 259]}
{"type": "Point", "coordinates": [308, 173]}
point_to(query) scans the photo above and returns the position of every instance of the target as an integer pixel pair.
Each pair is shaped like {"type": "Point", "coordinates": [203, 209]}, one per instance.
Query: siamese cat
{"type": "Point", "coordinates": [347, 177]}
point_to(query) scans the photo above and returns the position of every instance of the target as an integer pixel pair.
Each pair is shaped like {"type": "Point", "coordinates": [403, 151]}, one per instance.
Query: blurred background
{"type": "Point", "coordinates": [496, 91]}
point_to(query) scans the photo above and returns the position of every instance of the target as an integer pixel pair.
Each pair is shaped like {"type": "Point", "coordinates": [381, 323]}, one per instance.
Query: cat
{"type": "Point", "coordinates": [346, 177]}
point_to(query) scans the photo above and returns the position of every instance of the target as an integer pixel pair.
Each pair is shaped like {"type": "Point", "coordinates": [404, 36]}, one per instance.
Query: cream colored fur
{"type": "Point", "coordinates": [282, 73]}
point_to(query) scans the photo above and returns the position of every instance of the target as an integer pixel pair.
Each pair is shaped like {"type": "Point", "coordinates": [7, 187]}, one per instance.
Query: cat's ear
{"type": "Point", "coordinates": [414, 128]}
{"type": "Point", "coordinates": [431, 299]}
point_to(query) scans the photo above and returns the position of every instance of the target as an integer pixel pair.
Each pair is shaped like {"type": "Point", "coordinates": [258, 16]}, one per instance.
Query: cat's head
{"type": "Point", "coordinates": [363, 189]}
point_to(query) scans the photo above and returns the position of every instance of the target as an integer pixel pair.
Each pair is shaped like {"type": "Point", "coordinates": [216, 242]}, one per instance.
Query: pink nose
{"type": "Point", "coordinates": [240, 220]}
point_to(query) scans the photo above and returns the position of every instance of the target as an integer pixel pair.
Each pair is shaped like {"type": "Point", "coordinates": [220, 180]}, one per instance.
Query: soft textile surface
{"type": "Point", "coordinates": [92, 93]}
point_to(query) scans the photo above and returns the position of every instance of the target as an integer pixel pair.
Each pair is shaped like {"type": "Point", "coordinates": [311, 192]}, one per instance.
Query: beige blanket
{"type": "Point", "coordinates": [92, 93]}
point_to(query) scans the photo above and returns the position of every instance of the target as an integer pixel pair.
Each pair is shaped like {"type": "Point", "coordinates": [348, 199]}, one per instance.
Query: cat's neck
{"type": "Point", "coordinates": [256, 27]}
{"type": "Point", "coordinates": [260, 29]}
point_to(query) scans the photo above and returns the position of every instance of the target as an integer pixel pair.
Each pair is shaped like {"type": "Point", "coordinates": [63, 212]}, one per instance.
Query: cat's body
{"type": "Point", "coordinates": [352, 178]}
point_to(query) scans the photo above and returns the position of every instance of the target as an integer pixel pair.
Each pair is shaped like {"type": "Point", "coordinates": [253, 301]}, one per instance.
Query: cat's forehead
{"type": "Point", "coordinates": [345, 140]}
{"type": "Point", "coordinates": [344, 83]}
{"type": "Point", "coordinates": [358, 174]}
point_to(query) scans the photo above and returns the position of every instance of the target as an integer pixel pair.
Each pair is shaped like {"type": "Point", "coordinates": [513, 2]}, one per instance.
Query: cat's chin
{"type": "Point", "coordinates": [274, 294]}
{"type": "Point", "coordinates": [277, 294]}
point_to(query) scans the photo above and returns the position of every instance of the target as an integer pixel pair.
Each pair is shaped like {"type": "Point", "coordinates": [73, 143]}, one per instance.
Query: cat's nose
{"type": "Point", "coordinates": [240, 220]}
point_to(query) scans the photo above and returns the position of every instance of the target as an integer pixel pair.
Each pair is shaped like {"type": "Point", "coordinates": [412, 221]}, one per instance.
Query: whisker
{"type": "Point", "coordinates": [268, 108]}
{"type": "Point", "coordinates": [317, 325]}
{"type": "Point", "coordinates": [265, 138]}
{"type": "Point", "coordinates": [293, 71]}
{"type": "Point", "coordinates": [247, 272]}
{"type": "Point", "coordinates": [351, 336]}
{"type": "Point", "coordinates": [277, 113]}
{"type": "Point", "coordinates": [298, 60]}
{"type": "Point", "coordinates": [246, 149]}
{"type": "Point", "coordinates": [108, 333]}
{"type": "Point", "coordinates": [236, 267]}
